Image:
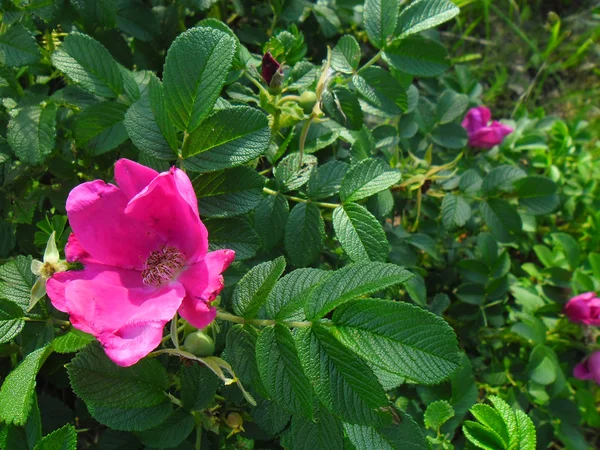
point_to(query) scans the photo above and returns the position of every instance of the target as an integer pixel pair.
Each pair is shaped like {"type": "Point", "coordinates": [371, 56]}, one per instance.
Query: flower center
{"type": "Point", "coordinates": [162, 265]}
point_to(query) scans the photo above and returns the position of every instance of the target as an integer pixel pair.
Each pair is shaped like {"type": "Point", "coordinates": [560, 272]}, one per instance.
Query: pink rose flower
{"type": "Point", "coordinates": [589, 368]}
{"type": "Point", "coordinates": [584, 308]}
{"type": "Point", "coordinates": [144, 251]}
{"type": "Point", "coordinates": [481, 133]}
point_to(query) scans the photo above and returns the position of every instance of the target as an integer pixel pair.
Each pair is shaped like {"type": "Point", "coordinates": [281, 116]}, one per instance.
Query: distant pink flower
{"type": "Point", "coordinates": [144, 251]}
{"type": "Point", "coordinates": [483, 134]}
{"type": "Point", "coordinates": [584, 308]}
{"type": "Point", "coordinates": [589, 368]}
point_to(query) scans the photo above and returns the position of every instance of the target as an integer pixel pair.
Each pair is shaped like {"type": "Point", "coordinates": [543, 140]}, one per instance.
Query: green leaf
{"type": "Point", "coordinates": [144, 131]}
{"type": "Point", "coordinates": [18, 47]}
{"type": "Point", "coordinates": [100, 13]}
{"type": "Point", "coordinates": [253, 289]}
{"type": "Point", "coordinates": [343, 106]}
{"type": "Point", "coordinates": [64, 438]}
{"type": "Point", "coordinates": [350, 282]}
{"type": "Point", "coordinates": [11, 320]}
{"type": "Point", "coordinates": [100, 127]}
{"type": "Point", "coordinates": [18, 389]}
{"type": "Point", "coordinates": [481, 436]}
{"type": "Point", "coordinates": [541, 368]}
{"type": "Point", "coordinates": [229, 137]}
{"type": "Point", "coordinates": [342, 381]}
{"type": "Point", "coordinates": [286, 300]}
{"type": "Point", "coordinates": [345, 56]}
{"type": "Point", "coordinates": [198, 386]}
{"type": "Point", "coordinates": [325, 180]}
{"type": "Point", "coordinates": [32, 132]}
{"type": "Point", "coordinates": [324, 433]}
{"type": "Point", "coordinates": [380, 17]}
{"type": "Point", "coordinates": [101, 383]}
{"type": "Point", "coordinates": [502, 219]}
{"type": "Point", "coordinates": [491, 419]}
{"type": "Point", "coordinates": [502, 178]}
{"type": "Point", "coordinates": [228, 193]}
{"type": "Point", "coordinates": [87, 63]}
{"type": "Point", "coordinates": [450, 135]}
{"type": "Point", "coordinates": [380, 89]}
{"type": "Point", "coordinates": [304, 234]}
{"type": "Point", "coordinates": [399, 337]}
{"type": "Point", "coordinates": [281, 371]}
{"type": "Point", "coordinates": [417, 56]}
{"type": "Point", "coordinates": [537, 195]}
{"type": "Point", "coordinates": [171, 432]}
{"type": "Point", "coordinates": [570, 248]}
{"type": "Point", "coordinates": [196, 67]}
{"type": "Point", "coordinates": [424, 14]}
{"type": "Point", "coordinates": [235, 234]}
{"type": "Point", "coordinates": [526, 432]}
{"type": "Point", "coordinates": [293, 171]}
{"type": "Point", "coordinates": [16, 281]}
{"type": "Point", "coordinates": [405, 435]}
{"type": "Point", "coordinates": [270, 416]}
{"type": "Point", "coordinates": [450, 106]}
{"type": "Point", "coordinates": [131, 419]}
{"type": "Point", "coordinates": [366, 178]}
{"type": "Point", "coordinates": [437, 414]}
{"type": "Point", "coordinates": [72, 341]}
{"type": "Point", "coordinates": [455, 211]}
{"type": "Point", "coordinates": [137, 19]}
{"type": "Point", "coordinates": [360, 234]}
{"type": "Point", "coordinates": [240, 350]}
{"type": "Point", "coordinates": [270, 218]}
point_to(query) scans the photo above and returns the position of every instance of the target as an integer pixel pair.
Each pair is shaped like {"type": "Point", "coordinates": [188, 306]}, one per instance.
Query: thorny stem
{"type": "Point", "coordinates": [301, 200]}
{"type": "Point", "coordinates": [259, 322]}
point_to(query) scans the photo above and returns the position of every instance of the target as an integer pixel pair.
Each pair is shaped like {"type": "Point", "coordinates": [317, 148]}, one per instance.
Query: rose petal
{"type": "Point", "coordinates": [168, 213]}
{"type": "Point", "coordinates": [132, 177]}
{"type": "Point", "coordinates": [203, 282]}
{"type": "Point", "coordinates": [581, 371]}
{"type": "Point", "coordinates": [593, 364]}
{"type": "Point", "coordinates": [75, 252]}
{"type": "Point", "coordinates": [487, 137]}
{"type": "Point", "coordinates": [476, 118]}
{"type": "Point", "coordinates": [96, 215]}
{"type": "Point", "coordinates": [185, 188]}
{"type": "Point", "coordinates": [132, 342]}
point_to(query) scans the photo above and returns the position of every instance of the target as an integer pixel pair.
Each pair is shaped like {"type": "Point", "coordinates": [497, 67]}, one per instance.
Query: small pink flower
{"type": "Point", "coordinates": [144, 249]}
{"type": "Point", "coordinates": [584, 308]}
{"type": "Point", "coordinates": [589, 368]}
{"type": "Point", "coordinates": [481, 133]}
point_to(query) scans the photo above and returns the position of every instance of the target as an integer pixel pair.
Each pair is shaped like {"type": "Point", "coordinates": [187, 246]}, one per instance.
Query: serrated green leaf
{"type": "Point", "coordinates": [537, 195]}
{"type": "Point", "coordinates": [11, 320]}
{"type": "Point", "coordinates": [363, 146]}
{"type": "Point", "coordinates": [87, 63]}
{"type": "Point", "coordinates": [100, 127]}
{"type": "Point", "coordinates": [405, 435]}
{"type": "Point", "coordinates": [137, 19]}
{"type": "Point", "coordinates": [450, 106]}
{"type": "Point", "coordinates": [366, 178]}
{"type": "Point", "coordinates": [502, 178]}
{"type": "Point", "coordinates": [239, 352]}
{"type": "Point", "coordinates": [491, 419]}
{"type": "Point", "coordinates": [345, 56]}
{"type": "Point", "coordinates": [293, 171]}
{"type": "Point", "coordinates": [325, 180]}
{"type": "Point", "coordinates": [525, 431]}
{"type": "Point", "coordinates": [450, 135]}
{"type": "Point", "coordinates": [270, 217]}
{"type": "Point", "coordinates": [270, 416]}
{"type": "Point", "coordinates": [502, 219]}
{"type": "Point", "coordinates": [481, 436]}
{"type": "Point", "coordinates": [343, 382]}
{"type": "Point", "coordinates": [196, 66]}
{"type": "Point", "coordinates": [229, 137]}
{"type": "Point", "coordinates": [470, 182]}
{"type": "Point", "coordinates": [235, 234]}
{"type": "Point", "coordinates": [286, 300]}
{"type": "Point", "coordinates": [32, 133]}
{"type": "Point", "coordinates": [424, 14]}
{"type": "Point", "coordinates": [417, 56]}
{"type": "Point", "coordinates": [380, 89]}
{"type": "Point", "coordinates": [101, 383]}
{"type": "Point", "coordinates": [324, 432]}
{"type": "Point", "coordinates": [198, 386]}
{"type": "Point", "coordinates": [360, 234]}
{"type": "Point", "coordinates": [399, 337]}
{"type": "Point", "coordinates": [131, 419]}
{"type": "Point", "coordinates": [304, 234]}
{"type": "Point", "coordinates": [437, 414]}
{"type": "Point", "coordinates": [343, 107]}
{"type": "Point", "coordinates": [18, 389]}
{"type": "Point", "coordinates": [18, 47]}
{"type": "Point", "coordinates": [569, 246]}
{"type": "Point", "coordinates": [169, 434]}
{"type": "Point", "coordinates": [72, 341]}
{"type": "Point", "coordinates": [380, 17]}
{"type": "Point", "coordinates": [455, 211]}
{"type": "Point", "coordinates": [64, 438]}
{"type": "Point", "coordinates": [350, 282]}
{"type": "Point", "coordinates": [281, 371]}
{"type": "Point", "coordinates": [228, 193]}
{"type": "Point", "coordinates": [16, 281]}
{"type": "Point", "coordinates": [253, 289]}
{"type": "Point", "coordinates": [100, 13]}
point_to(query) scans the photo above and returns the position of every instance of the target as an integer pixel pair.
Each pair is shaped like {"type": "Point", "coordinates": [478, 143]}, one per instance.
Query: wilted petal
{"type": "Point", "coordinates": [203, 282]}
{"type": "Point", "coordinates": [132, 177]}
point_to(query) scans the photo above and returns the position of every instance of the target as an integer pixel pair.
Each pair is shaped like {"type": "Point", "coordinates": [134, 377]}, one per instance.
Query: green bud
{"type": "Point", "coordinates": [199, 344]}
{"type": "Point", "coordinates": [307, 101]}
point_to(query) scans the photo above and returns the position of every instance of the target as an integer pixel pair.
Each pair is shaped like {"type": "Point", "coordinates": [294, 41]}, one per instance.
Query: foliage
{"type": "Point", "coordinates": [388, 278]}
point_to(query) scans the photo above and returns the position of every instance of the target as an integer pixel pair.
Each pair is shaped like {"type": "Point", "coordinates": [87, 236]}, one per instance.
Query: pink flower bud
{"type": "Point", "coordinates": [584, 308]}
{"type": "Point", "coordinates": [483, 134]}
{"type": "Point", "coordinates": [589, 368]}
